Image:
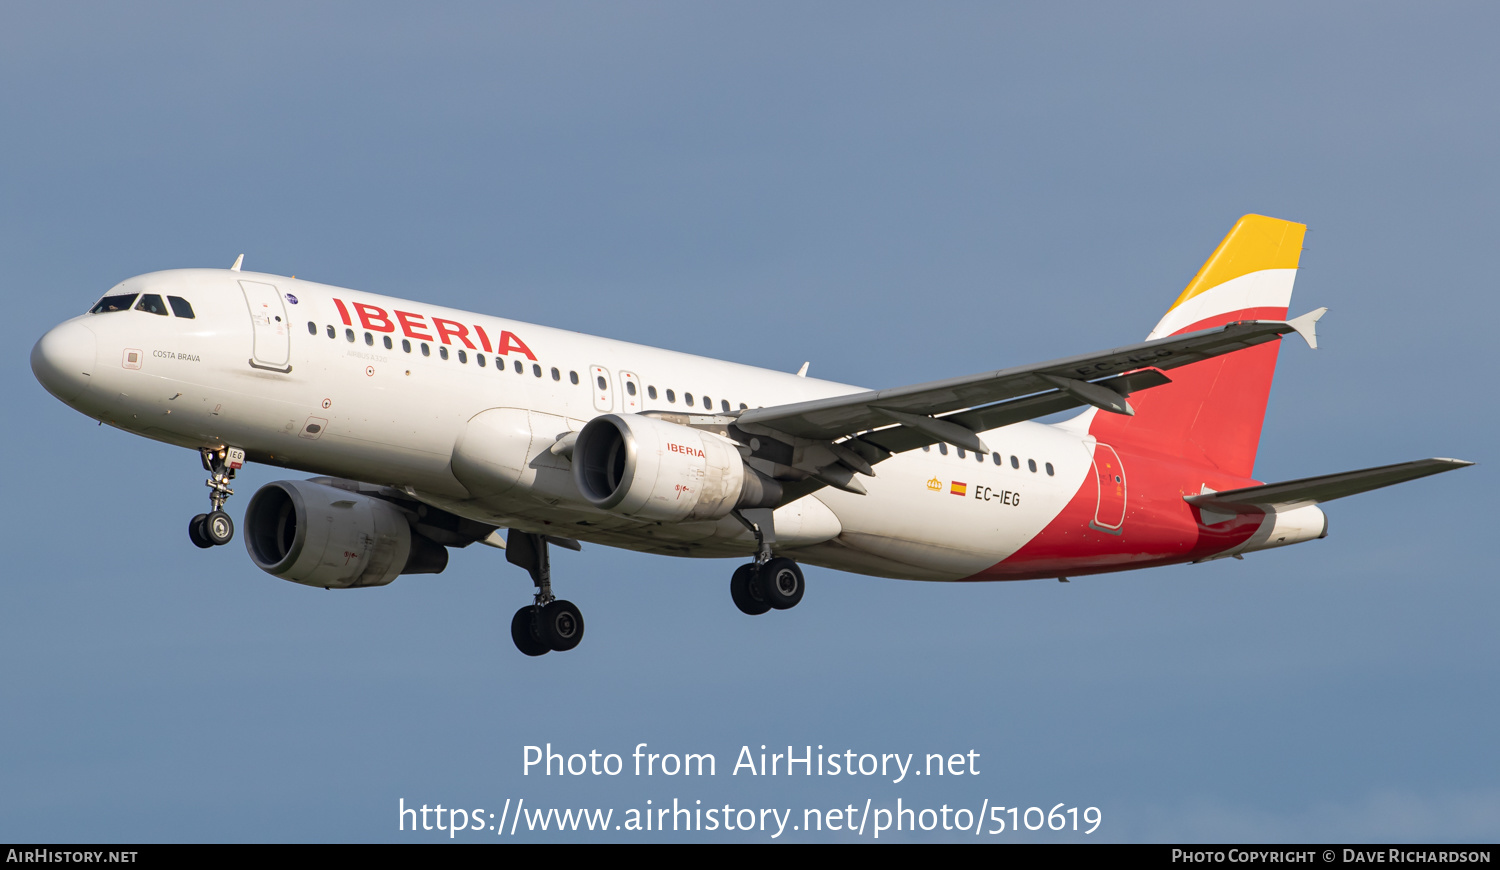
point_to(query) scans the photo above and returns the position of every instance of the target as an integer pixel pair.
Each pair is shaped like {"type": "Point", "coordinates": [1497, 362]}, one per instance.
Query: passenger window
{"type": "Point", "coordinates": [688, 398]}
{"type": "Point", "coordinates": [426, 351]}
{"type": "Point", "coordinates": [979, 457]}
{"type": "Point", "coordinates": [463, 357]}
{"type": "Point", "coordinates": [1015, 462]}
{"type": "Point", "coordinates": [113, 303]}
{"type": "Point", "coordinates": [724, 405]}
{"type": "Point", "coordinates": [332, 333]}
{"type": "Point", "coordinates": [443, 351]}
{"type": "Point", "coordinates": [943, 449]}
{"type": "Point", "coordinates": [369, 340]}
{"type": "Point", "coordinates": [601, 382]}
{"type": "Point", "coordinates": [556, 375]}
{"type": "Point", "coordinates": [1049, 470]}
{"type": "Point", "coordinates": [630, 387]}
{"type": "Point", "coordinates": [743, 406]}
{"type": "Point", "coordinates": [349, 334]}
{"type": "Point", "coordinates": [573, 376]}
{"type": "Point", "coordinates": [996, 457]}
{"type": "Point", "coordinates": [651, 392]}
{"type": "Point", "coordinates": [961, 454]}
{"type": "Point", "coordinates": [312, 328]}
{"type": "Point", "coordinates": [152, 303]}
{"type": "Point", "coordinates": [519, 368]}
{"type": "Point", "coordinates": [1031, 464]}
{"type": "Point", "coordinates": [926, 448]}
{"type": "Point", "coordinates": [479, 358]}
{"type": "Point", "coordinates": [671, 397]}
{"type": "Point", "coordinates": [388, 345]}
{"type": "Point", "coordinates": [406, 345]}
{"type": "Point", "coordinates": [181, 308]}
{"type": "Point", "coordinates": [536, 370]}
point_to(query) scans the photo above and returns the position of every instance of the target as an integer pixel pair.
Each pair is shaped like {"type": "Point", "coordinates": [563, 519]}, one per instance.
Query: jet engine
{"type": "Point", "coordinates": [656, 470]}
{"type": "Point", "coordinates": [323, 536]}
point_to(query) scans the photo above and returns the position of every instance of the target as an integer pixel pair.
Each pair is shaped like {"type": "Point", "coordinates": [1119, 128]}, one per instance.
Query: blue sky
{"type": "Point", "coordinates": [897, 193]}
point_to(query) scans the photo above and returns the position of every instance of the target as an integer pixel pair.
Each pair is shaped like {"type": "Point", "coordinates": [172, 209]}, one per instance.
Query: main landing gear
{"type": "Point", "coordinates": [549, 624]}
{"type": "Point", "coordinates": [776, 585]}
{"type": "Point", "coordinates": [770, 582]}
{"type": "Point", "coordinates": [215, 528]}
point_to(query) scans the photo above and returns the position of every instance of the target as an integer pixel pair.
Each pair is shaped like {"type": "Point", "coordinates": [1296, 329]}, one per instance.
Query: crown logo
{"type": "Point", "coordinates": [935, 485]}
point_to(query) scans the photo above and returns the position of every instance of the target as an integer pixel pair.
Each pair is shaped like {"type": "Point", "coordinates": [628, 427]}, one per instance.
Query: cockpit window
{"type": "Point", "coordinates": [180, 307]}
{"type": "Point", "coordinates": [113, 303]}
{"type": "Point", "coordinates": [152, 303]}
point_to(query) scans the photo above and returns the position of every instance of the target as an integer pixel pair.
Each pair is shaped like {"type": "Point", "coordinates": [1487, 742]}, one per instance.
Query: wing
{"type": "Point", "coordinates": [1315, 490]}
{"type": "Point", "coordinates": [830, 440]}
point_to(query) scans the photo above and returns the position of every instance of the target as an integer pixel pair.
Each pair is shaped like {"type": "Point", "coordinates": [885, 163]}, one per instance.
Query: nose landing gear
{"type": "Point", "coordinates": [215, 528]}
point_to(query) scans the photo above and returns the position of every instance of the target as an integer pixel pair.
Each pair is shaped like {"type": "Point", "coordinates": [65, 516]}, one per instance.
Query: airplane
{"type": "Point", "coordinates": [432, 428]}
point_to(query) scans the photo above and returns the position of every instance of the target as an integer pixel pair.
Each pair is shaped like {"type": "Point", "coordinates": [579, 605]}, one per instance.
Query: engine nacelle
{"type": "Point", "coordinates": [655, 470]}
{"type": "Point", "coordinates": [323, 536]}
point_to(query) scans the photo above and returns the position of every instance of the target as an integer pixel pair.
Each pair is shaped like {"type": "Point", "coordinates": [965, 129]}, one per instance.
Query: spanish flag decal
{"type": "Point", "coordinates": [959, 488]}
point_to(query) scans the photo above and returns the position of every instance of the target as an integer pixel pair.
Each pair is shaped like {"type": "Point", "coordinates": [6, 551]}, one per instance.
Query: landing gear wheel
{"type": "Point", "coordinates": [521, 632]}
{"type": "Point", "coordinates": [560, 625]}
{"type": "Point", "coordinates": [218, 528]}
{"type": "Point", "coordinates": [745, 590]}
{"type": "Point", "coordinates": [781, 583]}
{"type": "Point", "coordinates": [196, 533]}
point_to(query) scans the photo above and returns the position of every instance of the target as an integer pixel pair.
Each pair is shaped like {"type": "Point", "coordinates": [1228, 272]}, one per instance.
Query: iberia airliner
{"type": "Point", "coordinates": [433, 428]}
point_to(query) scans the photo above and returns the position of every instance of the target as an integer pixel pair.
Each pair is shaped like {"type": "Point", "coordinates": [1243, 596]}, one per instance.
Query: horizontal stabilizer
{"type": "Point", "coordinates": [1315, 490]}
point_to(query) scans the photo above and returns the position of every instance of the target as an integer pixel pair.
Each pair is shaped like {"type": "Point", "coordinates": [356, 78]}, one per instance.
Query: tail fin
{"type": "Point", "coordinates": [1213, 410]}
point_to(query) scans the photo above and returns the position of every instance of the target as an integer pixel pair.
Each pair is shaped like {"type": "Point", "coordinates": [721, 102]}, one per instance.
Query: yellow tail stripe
{"type": "Point", "coordinates": [1255, 243]}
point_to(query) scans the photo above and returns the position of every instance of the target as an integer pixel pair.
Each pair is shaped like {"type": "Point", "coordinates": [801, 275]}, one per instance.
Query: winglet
{"type": "Point", "coordinates": [802, 372]}
{"type": "Point", "coordinates": [1307, 326]}
{"type": "Point", "coordinates": [237, 261]}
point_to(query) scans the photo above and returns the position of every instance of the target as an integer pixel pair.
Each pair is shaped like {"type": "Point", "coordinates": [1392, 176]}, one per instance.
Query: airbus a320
{"type": "Point", "coordinates": [433, 428]}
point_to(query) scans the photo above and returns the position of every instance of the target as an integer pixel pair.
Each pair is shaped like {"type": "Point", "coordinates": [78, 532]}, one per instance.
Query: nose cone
{"type": "Point", "coordinates": [63, 360]}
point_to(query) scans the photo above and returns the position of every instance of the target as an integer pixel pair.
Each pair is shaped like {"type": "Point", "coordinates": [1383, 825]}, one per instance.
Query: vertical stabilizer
{"type": "Point", "coordinates": [1212, 411]}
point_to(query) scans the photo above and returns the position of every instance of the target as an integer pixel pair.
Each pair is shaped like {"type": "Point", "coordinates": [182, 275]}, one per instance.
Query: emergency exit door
{"type": "Point", "coordinates": [604, 400]}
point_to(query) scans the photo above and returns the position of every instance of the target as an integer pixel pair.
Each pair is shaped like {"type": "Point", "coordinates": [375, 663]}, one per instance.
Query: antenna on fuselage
{"type": "Point", "coordinates": [237, 261]}
{"type": "Point", "coordinates": [802, 372]}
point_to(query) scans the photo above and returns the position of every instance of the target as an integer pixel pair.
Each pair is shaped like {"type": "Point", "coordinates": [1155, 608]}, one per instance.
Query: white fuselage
{"type": "Point", "coordinates": [383, 390]}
